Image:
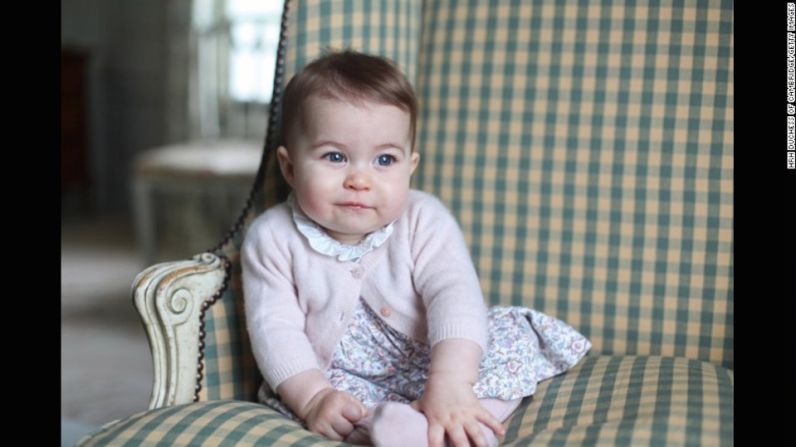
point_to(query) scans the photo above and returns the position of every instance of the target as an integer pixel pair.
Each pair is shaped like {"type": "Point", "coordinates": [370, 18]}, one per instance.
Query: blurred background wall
{"type": "Point", "coordinates": [144, 85]}
{"type": "Point", "coordinates": [141, 74]}
{"type": "Point", "coordinates": [124, 50]}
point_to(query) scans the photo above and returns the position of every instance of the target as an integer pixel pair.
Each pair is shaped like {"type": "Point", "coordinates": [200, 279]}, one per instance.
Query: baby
{"type": "Point", "coordinates": [363, 307]}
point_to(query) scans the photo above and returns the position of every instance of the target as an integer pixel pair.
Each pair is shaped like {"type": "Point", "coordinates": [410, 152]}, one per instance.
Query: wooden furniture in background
{"type": "Point", "coordinates": [74, 123]}
{"type": "Point", "coordinates": [198, 178]}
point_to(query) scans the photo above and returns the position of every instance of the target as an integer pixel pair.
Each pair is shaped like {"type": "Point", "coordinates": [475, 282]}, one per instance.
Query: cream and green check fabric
{"type": "Point", "coordinates": [586, 149]}
{"type": "Point", "coordinates": [605, 400]}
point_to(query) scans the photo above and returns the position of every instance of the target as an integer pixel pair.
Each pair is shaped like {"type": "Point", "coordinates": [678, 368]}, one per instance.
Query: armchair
{"type": "Point", "coordinates": [587, 152]}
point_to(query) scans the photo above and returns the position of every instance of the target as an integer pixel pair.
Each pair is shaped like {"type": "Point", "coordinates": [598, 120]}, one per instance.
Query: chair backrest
{"type": "Point", "coordinates": [586, 149]}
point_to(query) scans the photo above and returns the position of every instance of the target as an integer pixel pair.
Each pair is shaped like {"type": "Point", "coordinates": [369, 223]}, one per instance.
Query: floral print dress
{"type": "Point", "coordinates": [376, 363]}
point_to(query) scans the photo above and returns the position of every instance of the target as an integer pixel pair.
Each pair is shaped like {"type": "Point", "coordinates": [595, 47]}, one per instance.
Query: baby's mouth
{"type": "Point", "coordinates": [354, 205]}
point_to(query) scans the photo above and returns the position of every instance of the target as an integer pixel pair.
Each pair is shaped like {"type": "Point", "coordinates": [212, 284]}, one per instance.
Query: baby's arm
{"type": "Point", "coordinates": [325, 410]}
{"type": "Point", "coordinates": [445, 277]}
{"type": "Point", "coordinates": [276, 325]}
{"type": "Point", "coordinates": [449, 403]}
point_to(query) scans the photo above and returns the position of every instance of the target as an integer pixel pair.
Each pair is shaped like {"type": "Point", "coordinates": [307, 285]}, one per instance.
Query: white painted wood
{"type": "Point", "coordinates": [169, 298]}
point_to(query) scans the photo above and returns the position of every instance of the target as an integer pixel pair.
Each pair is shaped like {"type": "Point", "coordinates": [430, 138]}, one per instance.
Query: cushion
{"type": "Point", "coordinates": [604, 400]}
{"type": "Point", "coordinates": [629, 400]}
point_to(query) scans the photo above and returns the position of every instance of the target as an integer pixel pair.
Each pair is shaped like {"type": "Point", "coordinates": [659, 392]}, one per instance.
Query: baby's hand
{"type": "Point", "coordinates": [332, 413]}
{"type": "Point", "coordinates": [451, 407]}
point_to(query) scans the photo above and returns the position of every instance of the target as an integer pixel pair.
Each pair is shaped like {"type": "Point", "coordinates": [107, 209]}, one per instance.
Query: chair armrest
{"type": "Point", "coordinates": [171, 298]}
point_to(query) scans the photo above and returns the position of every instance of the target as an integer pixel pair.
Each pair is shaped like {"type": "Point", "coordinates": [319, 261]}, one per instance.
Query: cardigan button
{"type": "Point", "coordinates": [358, 273]}
{"type": "Point", "coordinates": [386, 311]}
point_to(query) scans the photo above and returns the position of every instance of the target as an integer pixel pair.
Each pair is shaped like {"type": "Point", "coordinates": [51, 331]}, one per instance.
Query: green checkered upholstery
{"type": "Point", "coordinates": [587, 151]}
{"type": "Point", "coordinates": [632, 401]}
{"type": "Point", "coordinates": [604, 400]}
{"type": "Point", "coordinates": [208, 423]}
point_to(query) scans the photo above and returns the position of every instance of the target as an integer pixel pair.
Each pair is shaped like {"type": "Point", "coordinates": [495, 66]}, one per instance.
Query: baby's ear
{"type": "Point", "coordinates": [285, 164]}
{"type": "Point", "coordinates": [414, 159]}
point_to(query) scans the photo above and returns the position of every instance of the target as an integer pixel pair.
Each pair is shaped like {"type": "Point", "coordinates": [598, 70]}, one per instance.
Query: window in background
{"type": "Point", "coordinates": [234, 50]}
{"type": "Point", "coordinates": [254, 38]}
{"type": "Point", "coordinates": [228, 55]}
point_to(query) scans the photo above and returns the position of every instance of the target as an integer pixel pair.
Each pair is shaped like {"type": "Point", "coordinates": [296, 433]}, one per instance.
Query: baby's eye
{"type": "Point", "coordinates": [334, 157]}
{"type": "Point", "coordinates": [385, 160]}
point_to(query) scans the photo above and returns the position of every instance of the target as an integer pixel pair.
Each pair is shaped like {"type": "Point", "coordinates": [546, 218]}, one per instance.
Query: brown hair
{"type": "Point", "coordinates": [351, 76]}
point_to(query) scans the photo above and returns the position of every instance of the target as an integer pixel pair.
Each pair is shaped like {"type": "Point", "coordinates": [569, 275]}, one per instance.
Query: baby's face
{"type": "Point", "coordinates": [350, 165]}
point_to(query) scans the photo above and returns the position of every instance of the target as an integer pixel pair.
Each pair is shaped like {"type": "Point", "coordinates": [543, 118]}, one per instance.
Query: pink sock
{"type": "Point", "coordinates": [396, 424]}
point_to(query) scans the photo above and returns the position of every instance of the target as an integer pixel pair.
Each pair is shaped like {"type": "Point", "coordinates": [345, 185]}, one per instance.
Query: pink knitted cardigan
{"type": "Point", "coordinates": [298, 301]}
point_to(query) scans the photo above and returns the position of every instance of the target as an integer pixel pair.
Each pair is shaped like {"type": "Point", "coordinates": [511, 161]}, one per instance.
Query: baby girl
{"type": "Point", "coordinates": [363, 306]}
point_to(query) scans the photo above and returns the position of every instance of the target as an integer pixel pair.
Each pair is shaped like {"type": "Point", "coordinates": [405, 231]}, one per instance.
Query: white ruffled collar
{"type": "Point", "coordinates": [324, 244]}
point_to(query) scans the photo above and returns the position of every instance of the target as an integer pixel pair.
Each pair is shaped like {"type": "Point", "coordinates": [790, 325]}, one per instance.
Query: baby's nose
{"type": "Point", "coordinates": [357, 180]}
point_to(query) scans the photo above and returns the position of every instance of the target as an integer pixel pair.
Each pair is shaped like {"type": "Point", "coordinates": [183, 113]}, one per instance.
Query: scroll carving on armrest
{"type": "Point", "coordinates": [170, 298]}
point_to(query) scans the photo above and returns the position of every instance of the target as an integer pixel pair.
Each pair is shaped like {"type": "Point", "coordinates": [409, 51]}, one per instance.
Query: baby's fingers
{"type": "Point", "coordinates": [459, 436]}
{"type": "Point", "coordinates": [342, 428]}
{"type": "Point", "coordinates": [475, 433]}
{"type": "Point", "coordinates": [335, 428]}
{"type": "Point", "coordinates": [354, 411]}
{"type": "Point", "coordinates": [327, 430]}
{"type": "Point", "coordinates": [487, 419]}
{"type": "Point", "coordinates": [436, 435]}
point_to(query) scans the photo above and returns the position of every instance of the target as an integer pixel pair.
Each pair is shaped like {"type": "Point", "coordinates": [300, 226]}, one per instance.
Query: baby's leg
{"type": "Point", "coordinates": [396, 424]}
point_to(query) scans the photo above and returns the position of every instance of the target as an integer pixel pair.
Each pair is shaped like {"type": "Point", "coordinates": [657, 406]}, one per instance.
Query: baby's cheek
{"type": "Point", "coordinates": [397, 204]}
{"type": "Point", "coordinates": [314, 208]}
